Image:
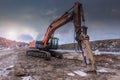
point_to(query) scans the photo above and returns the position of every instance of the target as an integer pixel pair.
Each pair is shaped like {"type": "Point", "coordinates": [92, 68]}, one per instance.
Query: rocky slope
{"type": "Point", "coordinates": [6, 43]}
{"type": "Point", "coordinates": [102, 45]}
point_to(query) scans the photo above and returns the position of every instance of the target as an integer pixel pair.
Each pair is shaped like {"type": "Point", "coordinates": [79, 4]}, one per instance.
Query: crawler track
{"type": "Point", "coordinates": [38, 53]}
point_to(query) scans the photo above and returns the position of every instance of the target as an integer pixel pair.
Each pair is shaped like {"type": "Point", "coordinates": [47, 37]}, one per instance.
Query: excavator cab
{"type": "Point", "coordinates": [54, 42]}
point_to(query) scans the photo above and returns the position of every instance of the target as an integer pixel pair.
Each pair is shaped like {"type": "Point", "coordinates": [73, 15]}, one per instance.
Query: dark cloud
{"type": "Point", "coordinates": [102, 16]}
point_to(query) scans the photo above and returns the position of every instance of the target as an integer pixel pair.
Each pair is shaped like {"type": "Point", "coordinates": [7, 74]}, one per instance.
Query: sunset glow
{"type": "Point", "coordinates": [12, 35]}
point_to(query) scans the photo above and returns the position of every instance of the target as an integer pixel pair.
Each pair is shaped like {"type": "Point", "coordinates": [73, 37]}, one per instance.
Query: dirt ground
{"type": "Point", "coordinates": [17, 66]}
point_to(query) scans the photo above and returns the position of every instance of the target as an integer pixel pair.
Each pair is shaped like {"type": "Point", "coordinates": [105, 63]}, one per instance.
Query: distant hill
{"type": "Point", "coordinates": [102, 45]}
{"type": "Point", "coordinates": [4, 43]}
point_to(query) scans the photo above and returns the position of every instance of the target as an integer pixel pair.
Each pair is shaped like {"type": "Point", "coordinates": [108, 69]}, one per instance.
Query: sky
{"type": "Point", "coordinates": [27, 20]}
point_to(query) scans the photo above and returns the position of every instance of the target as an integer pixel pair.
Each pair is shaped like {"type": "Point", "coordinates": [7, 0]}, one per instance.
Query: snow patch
{"type": "Point", "coordinates": [102, 70]}
{"type": "Point", "coordinates": [70, 74]}
{"type": "Point", "coordinates": [80, 73]}
{"type": "Point", "coordinates": [10, 67]}
{"type": "Point", "coordinates": [27, 78]}
{"type": "Point", "coordinates": [97, 52]}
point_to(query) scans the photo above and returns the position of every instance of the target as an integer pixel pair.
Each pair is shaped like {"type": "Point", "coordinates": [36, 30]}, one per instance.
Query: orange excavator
{"type": "Point", "coordinates": [76, 15]}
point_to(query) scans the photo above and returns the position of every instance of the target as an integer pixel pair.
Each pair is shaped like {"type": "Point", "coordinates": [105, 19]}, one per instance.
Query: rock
{"type": "Point", "coordinates": [102, 70]}
{"type": "Point", "coordinates": [80, 73]}
{"type": "Point", "coordinates": [70, 74]}
{"type": "Point", "coordinates": [37, 77]}
{"type": "Point", "coordinates": [10, 67]}
{"type": "Point", "coordinates": [71, 55]}
{"type": "Point", "coordinates": [58, 70]}
{"type": "Point", "coordinates": [48, 68]}
{"type": "Point", "coordinates": [59, 78]}
{"type": "Point", "coordinates": [97, 52]}
{"type": "Point", "coordinates": [20, 72]}
{"type": "Point", "coordinates": [106, 64]}
{"type": "Point", "coordinates": [102, 78]}
{"type": "Point", "coordinates": [27, 78]}
{"type": "Point", "coordinates": [110, 60]}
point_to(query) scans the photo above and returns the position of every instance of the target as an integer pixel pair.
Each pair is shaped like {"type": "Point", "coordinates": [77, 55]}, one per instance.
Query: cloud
{"type": "Point", "coordinates": [66, 37]}
{"type": "Point", "coordinates": [25, 38]}
{"type": "Point", "coordinates": [33, 17]}
{"type": "Point", "coordinates": [52, 11]}
{"type": "Point", "coordinates": [40, 37]}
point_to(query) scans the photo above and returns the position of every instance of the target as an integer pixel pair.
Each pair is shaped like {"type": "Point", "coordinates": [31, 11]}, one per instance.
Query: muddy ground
{"type": "Point", "coordinates": [15, 65]}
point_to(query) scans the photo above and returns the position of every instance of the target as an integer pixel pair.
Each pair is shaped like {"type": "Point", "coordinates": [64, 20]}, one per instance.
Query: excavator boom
{"type": "Point", "coordinates": [76, 15]}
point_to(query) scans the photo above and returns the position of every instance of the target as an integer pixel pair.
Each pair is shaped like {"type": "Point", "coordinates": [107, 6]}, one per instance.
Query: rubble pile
{"type": "Point", "coordinates": [37, 68]}
{"type": "Point", "coordinates": [70, 67]}
{"type": "Point", "coordinates": [106, 45]}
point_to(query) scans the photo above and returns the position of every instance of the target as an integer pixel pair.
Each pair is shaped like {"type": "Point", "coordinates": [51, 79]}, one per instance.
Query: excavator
{"type": "Point", "coordinates": [76, 15]}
